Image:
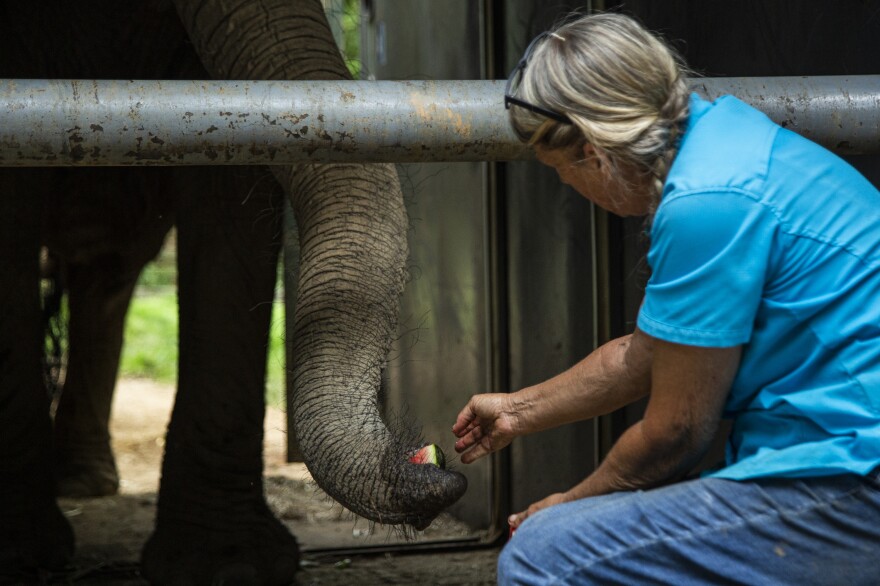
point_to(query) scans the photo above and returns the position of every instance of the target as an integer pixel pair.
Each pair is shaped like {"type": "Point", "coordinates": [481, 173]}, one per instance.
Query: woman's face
{"type": "Point", "coordinates": [627, 194]}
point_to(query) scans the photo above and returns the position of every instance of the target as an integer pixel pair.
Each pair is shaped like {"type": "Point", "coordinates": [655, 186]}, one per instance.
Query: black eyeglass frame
{"type": "Point", "coordinates": [517, 74]}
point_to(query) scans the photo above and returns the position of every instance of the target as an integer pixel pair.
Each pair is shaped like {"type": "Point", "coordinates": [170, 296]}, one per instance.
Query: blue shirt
{"type": "Point", "coordinates": [765, 239]}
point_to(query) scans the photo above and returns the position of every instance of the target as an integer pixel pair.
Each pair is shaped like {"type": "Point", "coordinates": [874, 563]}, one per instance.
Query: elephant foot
{"type": "Point", "coordinates": [86, 472]}
{"type": "Point", "coordinates": [228, 548]}
{"type": "Point", "coordinates": [35, 535]}
{"type": "Point", "coordinates": [88, 483]}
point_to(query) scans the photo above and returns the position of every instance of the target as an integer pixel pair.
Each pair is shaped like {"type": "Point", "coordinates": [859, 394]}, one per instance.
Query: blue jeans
{"type": "Point", "coordinates": [707, 531]}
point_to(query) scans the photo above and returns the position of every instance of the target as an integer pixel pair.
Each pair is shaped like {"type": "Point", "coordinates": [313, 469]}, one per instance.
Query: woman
{"type": "Point", "coordinates": [763, 307]}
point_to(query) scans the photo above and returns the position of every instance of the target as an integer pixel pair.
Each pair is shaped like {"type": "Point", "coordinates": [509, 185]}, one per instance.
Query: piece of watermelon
{"type": "Point", "coordinates": [429, 454]}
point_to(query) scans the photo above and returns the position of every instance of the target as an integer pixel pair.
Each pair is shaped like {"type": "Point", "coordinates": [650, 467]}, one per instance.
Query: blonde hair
{"type": "Point", "coordinates": [622, 87]}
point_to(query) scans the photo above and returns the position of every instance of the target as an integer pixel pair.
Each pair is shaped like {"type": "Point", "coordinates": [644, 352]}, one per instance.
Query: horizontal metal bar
{"type": "Point", "coordinates": [58, 122]}
{"type": "Point", "coordinates": [115, 122]}
{"type": "Point", "coordinates": [841, 113]}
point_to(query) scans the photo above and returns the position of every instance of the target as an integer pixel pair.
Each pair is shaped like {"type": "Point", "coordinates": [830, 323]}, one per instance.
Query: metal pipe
{"type": "Point", "coordinates": [114, 122]}
{"type": "Point", "coordinates": [841, 113]}
{"type": "Point", "coordinates": [65, 122]}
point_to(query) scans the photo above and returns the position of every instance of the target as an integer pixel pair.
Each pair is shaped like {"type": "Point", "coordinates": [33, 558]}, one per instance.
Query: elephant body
{"type": "Point", "coordinates": [212, 521]}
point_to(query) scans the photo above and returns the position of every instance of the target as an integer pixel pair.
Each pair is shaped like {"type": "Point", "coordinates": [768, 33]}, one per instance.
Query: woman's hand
{"type": "Point", "coordinates": [516, 519]}
{"type": "Point", "coordinates": [488, 423]}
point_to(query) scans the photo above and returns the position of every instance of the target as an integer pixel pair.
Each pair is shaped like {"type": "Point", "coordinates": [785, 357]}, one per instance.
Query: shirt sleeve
{"type": "Point", "coordinates": [709, 257]}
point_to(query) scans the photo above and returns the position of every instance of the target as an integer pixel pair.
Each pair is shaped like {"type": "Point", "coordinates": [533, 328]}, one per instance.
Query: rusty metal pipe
{"type": "Point", "coordinates": [114, 122]}
{"type": "Point", "coordinates": [65, 122]}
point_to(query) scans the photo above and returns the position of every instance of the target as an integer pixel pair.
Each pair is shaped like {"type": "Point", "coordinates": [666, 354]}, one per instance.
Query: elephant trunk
{"type": "Point", "coordinates": [352, 273]}
{"type": "Point", "coordinates": [352, 225]}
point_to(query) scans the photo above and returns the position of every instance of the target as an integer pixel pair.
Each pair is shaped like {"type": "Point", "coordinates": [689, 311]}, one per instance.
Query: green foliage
{"type": "Point", "coordinates": [275, 383]}
{"type": "Point", "coordinates": [344, 17]}
{"type": "Point", "coordinates": [150, 349]}
{"type": "Point", "coordinates": [351, 49]}
{"type": "Point", "coordinates": [157, 276]}
{"type": "Point", "coordinates": [160, 276]}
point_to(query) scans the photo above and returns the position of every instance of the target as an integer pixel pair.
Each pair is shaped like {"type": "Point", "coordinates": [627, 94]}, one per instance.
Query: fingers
{"type": "Point", "coordinates": [465, 420]}
{"type": "Point", "coordinates": [475, 453]}
{"type": "Point", "coordinates": [474, 428]}
{"type": "Point", "coordinates": [475, 424]}
{"type": "Point", "coordinates": [474, 414]}
{"type": "Point", "coordinates": [473, 446]}
{"type": "Point", "coordinates": [467, 429]}
{"type": "Point", "coordinates": [472, 437]}
{"type": "Point", "coordinates": [516, 519]}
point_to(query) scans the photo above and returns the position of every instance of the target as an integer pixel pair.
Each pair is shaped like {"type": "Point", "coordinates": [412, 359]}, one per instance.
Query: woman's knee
{"type": "Point", "coordinates": [507, 565]}
{"type": "Point", "coordinates": [536, 553]}
{"type": "Point", "coordinates": [520, 564]}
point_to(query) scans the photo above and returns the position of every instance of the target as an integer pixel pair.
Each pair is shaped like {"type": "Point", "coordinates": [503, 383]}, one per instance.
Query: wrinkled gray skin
{"type": "Point", "coordinates": [212, 523]}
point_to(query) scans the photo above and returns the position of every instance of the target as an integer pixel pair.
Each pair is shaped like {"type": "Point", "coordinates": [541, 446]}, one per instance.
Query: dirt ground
{"type": "Point", "coordinates": [110, 531]}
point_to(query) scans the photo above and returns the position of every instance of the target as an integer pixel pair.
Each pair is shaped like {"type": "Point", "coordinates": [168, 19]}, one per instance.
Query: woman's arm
{"type": "Point", "coordinates": [616, 374]}
{"type": "Point", "coordinates": [689, 386]}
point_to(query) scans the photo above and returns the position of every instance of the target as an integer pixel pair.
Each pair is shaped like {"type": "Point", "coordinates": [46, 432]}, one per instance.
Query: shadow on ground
{"type": "Point", "coordinates": [111, 531]}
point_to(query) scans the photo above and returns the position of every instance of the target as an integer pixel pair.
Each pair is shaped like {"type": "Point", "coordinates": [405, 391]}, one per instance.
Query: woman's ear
{"type": "Point", "coordinates": [592, 155]}
{"type": "Point", "coordinates": [589, 150]}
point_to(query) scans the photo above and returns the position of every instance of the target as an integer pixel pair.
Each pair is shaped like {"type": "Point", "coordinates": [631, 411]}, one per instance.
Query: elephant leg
{"type": "Point", "coordinates": [105, 225]}
{"type": "Point", "coordinates": [212, 523]}
{"type": "Point", "coordinates": [98, 302]}
{"type": "Point", "coordinates": [33, 532]}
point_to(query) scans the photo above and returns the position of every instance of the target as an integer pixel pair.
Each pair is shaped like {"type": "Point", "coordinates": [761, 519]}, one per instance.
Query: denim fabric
{"type": "Point", "coordinates": [814, 531]}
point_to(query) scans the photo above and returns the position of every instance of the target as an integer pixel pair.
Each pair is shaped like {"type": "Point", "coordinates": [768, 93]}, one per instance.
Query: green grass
{"type": "Point", "coordinates": [275, 383]}
{"type": "Point", "coordinates": [150, 349]}
{"type": "Point", "coordinates": [351, 49]}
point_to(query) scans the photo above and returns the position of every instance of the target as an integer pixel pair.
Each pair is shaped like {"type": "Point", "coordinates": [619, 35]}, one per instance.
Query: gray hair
{"type": "Point", "coordinates": [623, 88]}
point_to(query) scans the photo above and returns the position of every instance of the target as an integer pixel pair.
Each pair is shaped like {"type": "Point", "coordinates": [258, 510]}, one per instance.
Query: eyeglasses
{"type": "Point", "coordinates": [514, 80]}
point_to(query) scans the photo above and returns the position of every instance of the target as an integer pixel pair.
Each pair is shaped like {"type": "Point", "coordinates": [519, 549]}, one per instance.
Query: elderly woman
{"type": "Point", "coordinates": [763, 306]}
